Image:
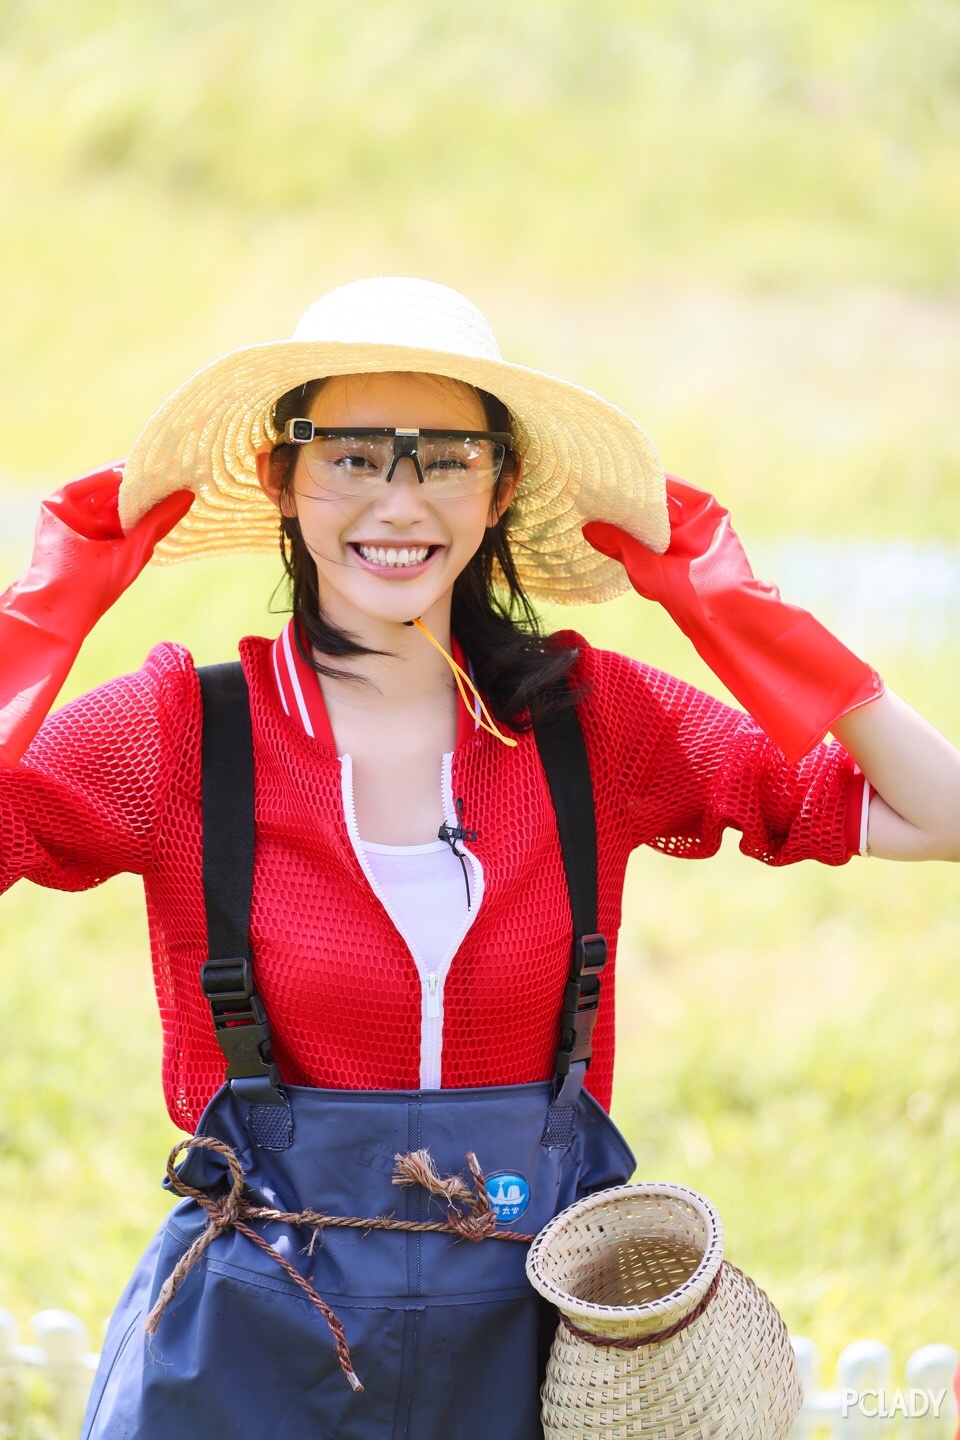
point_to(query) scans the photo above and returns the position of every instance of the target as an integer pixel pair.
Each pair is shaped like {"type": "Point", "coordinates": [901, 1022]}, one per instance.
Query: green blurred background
{"type": "Point", "coordinates": [736, 218]}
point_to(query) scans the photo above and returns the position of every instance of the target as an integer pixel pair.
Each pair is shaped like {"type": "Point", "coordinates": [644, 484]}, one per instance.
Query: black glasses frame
{"type": "Point", "coordinates": [300, 431]}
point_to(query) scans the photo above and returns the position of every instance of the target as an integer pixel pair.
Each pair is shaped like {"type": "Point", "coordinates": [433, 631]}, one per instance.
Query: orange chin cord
{"type": "Point", "coordinates": [466, 687]}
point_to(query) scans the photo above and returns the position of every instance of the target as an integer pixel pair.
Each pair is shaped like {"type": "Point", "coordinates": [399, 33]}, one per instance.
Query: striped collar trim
{"type": "Point", "coordinates": [298, 686]}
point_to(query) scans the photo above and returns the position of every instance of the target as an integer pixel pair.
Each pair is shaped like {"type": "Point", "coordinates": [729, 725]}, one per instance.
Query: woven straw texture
{"type": "Point", "coordinates": [633, 1262]}
{"type": "Point", "coordinates": [584, 459]}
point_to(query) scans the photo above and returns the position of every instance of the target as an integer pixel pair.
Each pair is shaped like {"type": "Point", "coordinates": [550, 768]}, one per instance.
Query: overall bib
{"type": "Point", "coordinates": [447, 1336]}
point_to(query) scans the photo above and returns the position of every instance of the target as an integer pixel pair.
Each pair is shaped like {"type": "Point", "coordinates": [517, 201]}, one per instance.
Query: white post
{"type": "Point", "coordinates": [63, 1340]}
{"type": "Point", "coordinates": [807, 1360]}
{"type": "Point", "coordinates": [932, 1413]}
{"type": "Point", "coordinates": [863, 1386]}
{"type": "Point", "coordinates": [819, 1406]}
{"type": "Point", "coordinates": [8, 1337]}
{"type": "Point", "coordinates": [8, 1368]}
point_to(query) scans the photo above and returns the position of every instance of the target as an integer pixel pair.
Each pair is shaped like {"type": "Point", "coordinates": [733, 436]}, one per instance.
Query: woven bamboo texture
{"type": "Point", "coordinates": [622, 1267]}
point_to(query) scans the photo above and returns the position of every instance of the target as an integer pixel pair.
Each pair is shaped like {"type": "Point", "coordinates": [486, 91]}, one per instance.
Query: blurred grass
{"type": "Point", "coordinates": [178, 179]}
{"type": "Point", "coordinates": [736, 220]}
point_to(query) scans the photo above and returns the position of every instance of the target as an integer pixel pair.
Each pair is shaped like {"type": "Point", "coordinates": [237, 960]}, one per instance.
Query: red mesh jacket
{"type": "Point", "coordinates": [112, 783]}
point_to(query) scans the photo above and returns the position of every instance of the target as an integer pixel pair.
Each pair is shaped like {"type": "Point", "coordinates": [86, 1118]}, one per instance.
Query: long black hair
{"type": "Point", "coordinates": [520, 671]}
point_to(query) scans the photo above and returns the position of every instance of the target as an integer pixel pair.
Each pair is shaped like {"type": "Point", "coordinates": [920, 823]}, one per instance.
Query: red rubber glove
{"type": "Point", "coordinates": [784, 667]}
{"type": "Point", "coordinates": [82, 562]}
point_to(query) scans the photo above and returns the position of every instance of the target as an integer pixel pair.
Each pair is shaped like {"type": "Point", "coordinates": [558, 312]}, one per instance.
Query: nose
{"type": "Point", "coordinates": [401, 502]}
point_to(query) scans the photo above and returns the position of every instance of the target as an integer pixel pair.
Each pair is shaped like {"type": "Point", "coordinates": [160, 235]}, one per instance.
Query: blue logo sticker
{"type": "Point", "coordinates": [509, 1195]}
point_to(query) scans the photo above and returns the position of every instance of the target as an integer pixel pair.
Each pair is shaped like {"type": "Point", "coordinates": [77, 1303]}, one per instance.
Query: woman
{"type": "Point", "coordinates": [393, 976]}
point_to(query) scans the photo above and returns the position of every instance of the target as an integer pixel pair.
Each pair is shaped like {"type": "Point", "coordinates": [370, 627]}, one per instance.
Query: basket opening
{"type": "Point", "coordinates": [635, 1271]}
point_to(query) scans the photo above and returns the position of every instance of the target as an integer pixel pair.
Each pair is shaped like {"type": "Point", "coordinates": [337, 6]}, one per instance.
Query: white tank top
{"type": "Point", "coordinates": [425, 895]}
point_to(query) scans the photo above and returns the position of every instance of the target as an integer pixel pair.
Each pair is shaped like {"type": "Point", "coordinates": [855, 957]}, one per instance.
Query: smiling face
{"type": "Point", "coordinates": [395, 555]}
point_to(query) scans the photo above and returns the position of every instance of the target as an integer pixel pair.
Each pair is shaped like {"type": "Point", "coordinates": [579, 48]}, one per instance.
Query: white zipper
{"type": "Point", "coordinates": [431, 981]}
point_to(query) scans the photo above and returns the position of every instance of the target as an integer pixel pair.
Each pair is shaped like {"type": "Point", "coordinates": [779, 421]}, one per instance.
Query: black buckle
{"type": "Point", "coordinates": [223, 980]}
{"type": "Point", "coordinates": [581, 1001]}
{"type": "Point", "coordinates": [242, 1029]}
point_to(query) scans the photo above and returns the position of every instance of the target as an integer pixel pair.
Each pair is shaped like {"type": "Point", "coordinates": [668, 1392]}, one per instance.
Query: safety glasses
{"type": "Point", "coordinates": [355, 461]}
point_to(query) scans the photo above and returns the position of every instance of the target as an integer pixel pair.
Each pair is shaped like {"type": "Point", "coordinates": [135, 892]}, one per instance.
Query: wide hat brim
{"type": "Point", "coordinates": [584, 459]}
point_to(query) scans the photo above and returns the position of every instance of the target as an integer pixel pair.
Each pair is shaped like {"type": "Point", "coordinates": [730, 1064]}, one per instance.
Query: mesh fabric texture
{"type": "Point", "coordinates": [112, 783]}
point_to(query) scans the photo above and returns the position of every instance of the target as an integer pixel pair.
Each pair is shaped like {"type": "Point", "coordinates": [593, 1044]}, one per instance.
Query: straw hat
{"type": "Point", "coordinates": [659, 1336]}
{"type": "Point", "coordinates": [584, 459]}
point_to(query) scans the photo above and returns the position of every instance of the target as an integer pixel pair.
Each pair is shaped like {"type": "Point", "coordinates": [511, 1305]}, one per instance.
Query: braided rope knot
{"type": "Point", "coordinates": [472, 1227]}
{"type": "Point", "coordinates": [227, 1211]}
{"type": "Point", "coordinates": [469, 1216]}
{"type": "Point", "coordinates": [477, 1219]}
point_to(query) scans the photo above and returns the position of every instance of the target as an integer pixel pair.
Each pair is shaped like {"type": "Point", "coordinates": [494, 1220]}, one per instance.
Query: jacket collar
{"type": "Point", "coordinates": [302, 698]}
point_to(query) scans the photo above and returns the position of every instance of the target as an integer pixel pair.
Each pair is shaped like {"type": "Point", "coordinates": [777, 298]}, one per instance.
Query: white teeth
{"type": "Point", "coordinates": [377, 555]}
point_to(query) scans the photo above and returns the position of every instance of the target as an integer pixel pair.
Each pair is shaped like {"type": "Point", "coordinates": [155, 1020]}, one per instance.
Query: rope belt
{"type": "Point", "coordinates": [474, 1220]}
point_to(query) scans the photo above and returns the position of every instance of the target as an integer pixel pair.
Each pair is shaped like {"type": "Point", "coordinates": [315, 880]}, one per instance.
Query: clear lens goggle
{"type": "Point", "coordinates": [356, 460]}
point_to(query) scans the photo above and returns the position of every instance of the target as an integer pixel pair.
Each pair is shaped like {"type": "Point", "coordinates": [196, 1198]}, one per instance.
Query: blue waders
{"type": "Point", "coordinates": [448, 1338]}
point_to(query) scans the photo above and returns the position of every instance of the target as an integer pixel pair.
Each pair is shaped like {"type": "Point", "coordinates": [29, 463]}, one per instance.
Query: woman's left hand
{"type": "Point", "coordinates": [795, 678]}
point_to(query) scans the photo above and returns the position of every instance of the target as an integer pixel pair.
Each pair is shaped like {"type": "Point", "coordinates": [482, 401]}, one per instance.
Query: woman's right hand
{"type": "Point", "coordinates": [82, 562]}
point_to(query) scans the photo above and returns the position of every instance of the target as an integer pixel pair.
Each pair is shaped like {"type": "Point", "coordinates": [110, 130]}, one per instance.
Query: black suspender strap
{"type": "Point", "coordinates": [239, 1016]}
{"type": "Point", "coordinates": [227, 760]}
{"type": "Point", "coordinates": [563, 754]}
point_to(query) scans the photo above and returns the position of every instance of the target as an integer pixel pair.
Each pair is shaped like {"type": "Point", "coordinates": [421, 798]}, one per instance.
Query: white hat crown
{"type": "Point", "coordinates": [398, 310]}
